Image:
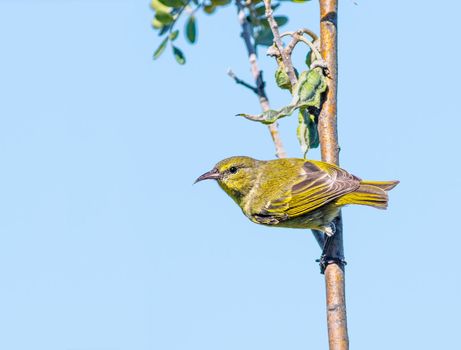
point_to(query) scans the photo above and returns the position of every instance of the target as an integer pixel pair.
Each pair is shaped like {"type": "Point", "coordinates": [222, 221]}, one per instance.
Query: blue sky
{"type": "Point", "coordinates": [105, 243]}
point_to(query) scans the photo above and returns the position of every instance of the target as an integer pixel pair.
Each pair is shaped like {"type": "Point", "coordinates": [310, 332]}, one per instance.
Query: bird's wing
{"type": "Point", "coordinates": [318, 184]}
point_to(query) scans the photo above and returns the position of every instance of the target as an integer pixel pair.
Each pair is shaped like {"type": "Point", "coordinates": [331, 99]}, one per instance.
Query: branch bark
{"type": "Point", "coordinates": [257, 76]}
{"type": "Point", "coordinates": [334, 272]}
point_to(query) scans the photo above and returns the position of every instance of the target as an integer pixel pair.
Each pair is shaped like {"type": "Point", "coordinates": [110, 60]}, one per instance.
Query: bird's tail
{"type": "Point", "coordinates": [371, 193]}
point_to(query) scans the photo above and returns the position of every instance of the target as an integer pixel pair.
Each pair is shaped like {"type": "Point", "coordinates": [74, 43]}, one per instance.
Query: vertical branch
{"type": "Point", "coordinates": [257, 76]}
{"type": "Point", "coordinates": [334, 272]}
{"type": "Point", "coordinates": [328, 47]}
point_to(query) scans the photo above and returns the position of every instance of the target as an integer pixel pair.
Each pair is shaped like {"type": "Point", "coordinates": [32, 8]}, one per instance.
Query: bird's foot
{"type": "Point", "coordinates": [326, 260]}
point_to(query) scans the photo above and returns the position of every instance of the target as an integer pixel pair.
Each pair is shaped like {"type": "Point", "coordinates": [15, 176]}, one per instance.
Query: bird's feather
{"type": "Point", "coordinates": [318, 183]}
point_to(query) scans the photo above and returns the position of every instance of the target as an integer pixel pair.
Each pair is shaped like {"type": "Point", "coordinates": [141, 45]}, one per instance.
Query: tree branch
{"type": "Point", "coordinates": [296, 38]}
{"type": "Point", "coordinates": [242, 82]}
{"type": "Point", "coordinates": [279, 44]}
{"type": "Point", "coordinates": [247, 37]}
{"type": "Point", "coordinates": [334, 272]}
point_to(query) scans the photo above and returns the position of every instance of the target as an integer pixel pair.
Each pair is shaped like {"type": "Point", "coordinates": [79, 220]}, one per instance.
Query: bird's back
{"type": "Point", "coordinates": [275, 178]}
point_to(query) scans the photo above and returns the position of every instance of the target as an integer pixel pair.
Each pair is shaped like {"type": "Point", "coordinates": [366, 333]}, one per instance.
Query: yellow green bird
{"type": "Point", "coordinates": [293, 192]}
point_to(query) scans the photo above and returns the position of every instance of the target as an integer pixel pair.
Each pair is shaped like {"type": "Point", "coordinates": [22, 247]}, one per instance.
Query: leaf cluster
{"type": "Point", "coordinates": [167, 14]}
{"type": "Point", "coordinates": [257, 18]}
{"type": "Point", "coordinates": [307, 98]}
{"type": "Point", "coordinates": [307, 94]}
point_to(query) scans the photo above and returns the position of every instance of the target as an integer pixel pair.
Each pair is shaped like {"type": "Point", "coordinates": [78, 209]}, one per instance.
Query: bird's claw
{"type": "Point", "coordinates": [326, 260]}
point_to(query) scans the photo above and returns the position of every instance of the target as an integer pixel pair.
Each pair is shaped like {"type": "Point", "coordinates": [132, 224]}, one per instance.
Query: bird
{"type": "Point", "coordinates": [294, 192]}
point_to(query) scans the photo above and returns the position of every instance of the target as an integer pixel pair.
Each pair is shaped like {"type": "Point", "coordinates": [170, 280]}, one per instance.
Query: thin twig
{"type": "Point", "coordinates": [291, 45]}
{"type": "Point", "coordinates": [247, 37]}
{"type": "Point", "coordinates": [242, 82]}
{"type": "Point", "coordinates": [310, 33]}
{"type": "Point", "coordinates": [312, 47]}
{"type": "Point", "coordinates": [297, 37]}
{"type": "Point", "coordinates": [279, 44]}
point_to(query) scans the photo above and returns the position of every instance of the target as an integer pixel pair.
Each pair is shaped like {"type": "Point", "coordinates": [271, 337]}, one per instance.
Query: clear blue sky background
{"type": "Point", "coordinates": [105, 243]}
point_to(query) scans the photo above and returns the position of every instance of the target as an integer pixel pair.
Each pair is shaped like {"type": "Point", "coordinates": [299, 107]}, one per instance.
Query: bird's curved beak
{"type": "Point", "coordinates": [210, 175]}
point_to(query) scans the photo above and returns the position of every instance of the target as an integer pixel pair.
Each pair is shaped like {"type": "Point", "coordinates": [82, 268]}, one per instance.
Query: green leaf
{"type": "Point", "coordinates": [191, 29]}
{"type": "Point", "coordinates": [309, 58]}
{"type": "Point", "coordinates": [282, 79]}
{"type": "Point", "coordinates": [306, 93]}
{"type": "Point", "coordinates": [264, 37]}
{"type": "Point", "coordinates": [156, 23]}
{"type": "Point", "coordinates": [161, 48]}
{"type": "Point", "coordinates": [281, 20]}
{"type": "Point", "coordinates": [158, 6]}
{"type": "Point", "coordinates": [174, 35]}
{"type": "Point", "coordinates": [164, 17]}
{"type": "Point", "coordinates": [300, 1]}
{"type": "Point", "coordinates": [302, 132]}
{"type": "Point", "coordinates": [310, 86]}
{"type": "Point", "coordinates": [260, 10]}
{"type": "Point", "coordinates": [209, 9]}
{"type": "Point", "coordinates": [263, 22]}
{"type": "Point", "coordinates": [307, 131]}
{"type": "Point", "coordinates": [172, 3]}
{"type": "Point", "coordinates": [178, 55]}
{"type": "Point", "coordinates": [220, 2]}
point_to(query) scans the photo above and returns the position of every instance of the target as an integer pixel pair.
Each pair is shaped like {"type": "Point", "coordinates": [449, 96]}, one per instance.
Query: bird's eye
{"type": "Point", "coordinates": [233, 169]}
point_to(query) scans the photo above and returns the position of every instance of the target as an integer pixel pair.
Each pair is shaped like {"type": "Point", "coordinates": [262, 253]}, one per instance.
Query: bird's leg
{"type": "Point", "coordinates": [329, 232]}
{"type": "Point", "coordinates": [325, 259]}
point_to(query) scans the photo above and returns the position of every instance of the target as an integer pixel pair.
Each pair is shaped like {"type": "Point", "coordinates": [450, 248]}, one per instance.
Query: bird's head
{"type": "Point", "coordinates": [235, 175]}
